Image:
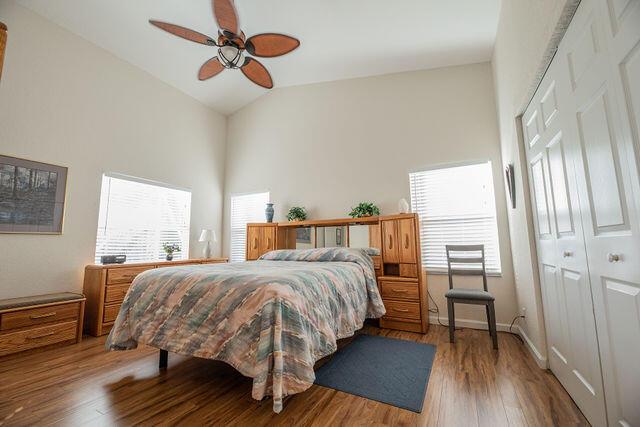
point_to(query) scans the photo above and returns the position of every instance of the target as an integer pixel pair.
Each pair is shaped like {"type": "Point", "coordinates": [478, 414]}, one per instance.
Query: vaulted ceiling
{"type": "Point", "coordinates": [340, 39]}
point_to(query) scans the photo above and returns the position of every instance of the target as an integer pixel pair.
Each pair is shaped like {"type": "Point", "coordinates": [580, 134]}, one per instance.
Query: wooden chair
{"type": "Point", "coordinates": [461, 256]}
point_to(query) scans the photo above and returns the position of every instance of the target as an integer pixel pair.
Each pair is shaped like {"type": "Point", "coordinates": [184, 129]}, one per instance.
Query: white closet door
{"type": "Point", "coordinates": [568, 307]}
{"type": "Point", "coordinates": [601, 59]}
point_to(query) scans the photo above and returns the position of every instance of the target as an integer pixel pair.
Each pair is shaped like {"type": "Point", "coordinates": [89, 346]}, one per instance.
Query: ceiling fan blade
{"type": "Point", "coordinates": [184, 33]}
{"type": "Point", "coordinates": [268, 45]}
{"type": "Point", "coordinates": [211, 68]}
{"type": "Point", "coordinates": [256, 72]}
{"type": "Point", "coordinates": [226, 16]}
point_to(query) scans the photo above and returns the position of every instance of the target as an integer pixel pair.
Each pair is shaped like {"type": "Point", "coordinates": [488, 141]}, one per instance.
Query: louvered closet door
{"type": "Point", "coordinates": [566, 292]}
{"type": "Point", "coordinates": [601, 61]}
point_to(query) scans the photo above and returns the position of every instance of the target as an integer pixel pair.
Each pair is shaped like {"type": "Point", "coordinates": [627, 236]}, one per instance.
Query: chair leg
{"type": "Point", "coordinates": [488, 320]}
{"type": "Point", "coordinates": [452, 320]}
{"type": "Point", "coordinates": [492, 325]}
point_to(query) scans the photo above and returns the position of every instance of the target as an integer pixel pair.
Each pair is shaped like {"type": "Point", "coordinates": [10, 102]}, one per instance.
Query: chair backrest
{"type": "Point", "coordinates": [466, 254]}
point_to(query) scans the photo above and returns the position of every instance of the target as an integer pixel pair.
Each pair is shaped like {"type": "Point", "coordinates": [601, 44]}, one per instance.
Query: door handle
{"type": "Point", "coordinates": [268, 242]}
{"type": "Point", "coordinates": [614, 257]}
{"type": "Point", "coordinates": [567, 254]}
{"type": "Point", "coordinates": [390, 242]}
{"type": "Point", "coordinates": [406, 241]}
{"type": "Point", "coordinates": [255, 243]}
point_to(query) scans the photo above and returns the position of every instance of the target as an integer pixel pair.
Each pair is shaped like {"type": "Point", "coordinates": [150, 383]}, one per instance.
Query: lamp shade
{"type": "Point", "coordinates": [208, 235]}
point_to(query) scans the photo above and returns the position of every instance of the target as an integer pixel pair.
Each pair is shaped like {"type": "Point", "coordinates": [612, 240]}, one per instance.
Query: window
{"type": "Point", "coordinates": [138, 216]}
{"type": "Point", "coordinates": [245, 208]}
{"type": "Point", "coordinates": [456, 205]}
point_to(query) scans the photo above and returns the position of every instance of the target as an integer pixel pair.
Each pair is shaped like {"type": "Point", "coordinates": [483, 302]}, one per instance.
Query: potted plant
{"type": "Point", "coordinates": [296, 213]}
{"type": "Point", "coordinates": [169, 249]}
{"type": "Point", "coordinates": [364, 209]}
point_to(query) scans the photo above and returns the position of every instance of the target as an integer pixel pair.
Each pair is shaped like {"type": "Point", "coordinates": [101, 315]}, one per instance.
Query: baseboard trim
{"type": "Point", "coordinates": [541, 361]}
{"type": "Point", "coordinates": [469, 323]}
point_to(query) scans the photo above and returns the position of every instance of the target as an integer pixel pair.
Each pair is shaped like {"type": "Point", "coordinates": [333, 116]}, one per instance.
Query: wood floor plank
{"type": "Point", "coordinates": [470, 385]}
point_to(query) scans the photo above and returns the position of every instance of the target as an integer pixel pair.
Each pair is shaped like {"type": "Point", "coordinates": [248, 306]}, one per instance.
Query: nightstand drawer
{"type": "Point", "coordinates": [116, 293]}
{"type": "Point", "coordinates": [125, 275]}
{"type": "Point", "coordinates": [38, 337]}
{"type": "Point", "coordinates": [402, 309]}
{"type": "Point", "coordinates": [39, 316]}
{"type": "Point", "coordinates": [110, 313]}
{"type": "Point", "coordinates": [399, 290]}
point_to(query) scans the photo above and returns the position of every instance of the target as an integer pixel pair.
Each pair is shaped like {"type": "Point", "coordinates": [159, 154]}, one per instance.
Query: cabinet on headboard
{"type": "Point", "coordinates": [402, 284]}
{"type": "Point", "coordinates": [261, 238]}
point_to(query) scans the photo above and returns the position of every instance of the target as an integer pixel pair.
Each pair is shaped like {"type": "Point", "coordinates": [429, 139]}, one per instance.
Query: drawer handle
{"type": "Point", "coordinates": [401, 291]}
{"type": "Point", "coordinates": [401, 310]}
{"type": "Point", "coordinates": [41, 336]}
{"type": "Point", "coordinates": [130, 276]}
{"type": "Point", "coordinates": [42, 316]}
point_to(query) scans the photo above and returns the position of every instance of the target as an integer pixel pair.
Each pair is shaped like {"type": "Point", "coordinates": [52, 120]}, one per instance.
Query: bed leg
{"type": "Point", "coordinates": [164, 359]}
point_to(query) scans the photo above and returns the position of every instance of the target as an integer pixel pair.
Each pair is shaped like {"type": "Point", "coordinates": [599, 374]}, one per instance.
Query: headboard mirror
{"type": "Point", "coordinates": [331, 236]}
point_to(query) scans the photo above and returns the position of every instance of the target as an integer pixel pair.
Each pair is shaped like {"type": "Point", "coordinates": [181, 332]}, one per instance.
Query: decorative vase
{"type": "Point", "coordinates": [403, 206]}
{"type": "Point", "coordinates": [268, 212]}
{"type": "Point", "coordinates": [169, 257]}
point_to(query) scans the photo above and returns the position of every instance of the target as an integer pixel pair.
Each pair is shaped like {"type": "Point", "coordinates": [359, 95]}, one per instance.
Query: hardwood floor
{"type": "Point", "coordinates": [470, 385]}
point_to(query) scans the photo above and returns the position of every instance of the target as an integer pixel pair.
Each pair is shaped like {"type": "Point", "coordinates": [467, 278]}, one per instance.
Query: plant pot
{"type": "Point", "coordinates": [169, 257]}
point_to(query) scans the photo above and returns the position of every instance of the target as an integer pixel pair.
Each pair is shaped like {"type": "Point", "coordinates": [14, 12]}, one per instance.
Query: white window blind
{"type": "Point", "coordinates": [137, 217]}
{"type": "Point", "coordinates": [245, 208]}
{"type": "Point", "coordinates": [456, 206]}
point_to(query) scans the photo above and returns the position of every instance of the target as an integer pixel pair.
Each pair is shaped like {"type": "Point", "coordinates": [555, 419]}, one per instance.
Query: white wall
{"type": "Point", "coordinates": [67, 102]}
{"type": "Point", "coordinates": [300, 144]}
{"type": "Point", "coordinates": [525, 33]}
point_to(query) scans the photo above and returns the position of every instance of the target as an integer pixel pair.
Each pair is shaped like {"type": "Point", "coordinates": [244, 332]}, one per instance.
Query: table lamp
{"type": "Point", "coordinates": [208, 236]}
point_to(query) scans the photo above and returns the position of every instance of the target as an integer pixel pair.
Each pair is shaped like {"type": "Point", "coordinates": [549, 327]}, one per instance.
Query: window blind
{"type": "Point", "coordinates": [137, 217]}
{"type": "Point", "coordinates": [245, 208]}
{"type": "Point", "coordinates": [456, 205]}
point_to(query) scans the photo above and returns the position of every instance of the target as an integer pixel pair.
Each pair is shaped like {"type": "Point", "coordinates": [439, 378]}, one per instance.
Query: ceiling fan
{"type": "Point", "coordinates": [233, 45]}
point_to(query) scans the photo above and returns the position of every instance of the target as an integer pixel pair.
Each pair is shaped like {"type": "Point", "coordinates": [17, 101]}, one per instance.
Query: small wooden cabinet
{"type": "Point", "coordinates": [261, 238]}
{"type": "Point", "coordinates": [40, 321]}
{"type": "Point", "coordinates": [106, 286]}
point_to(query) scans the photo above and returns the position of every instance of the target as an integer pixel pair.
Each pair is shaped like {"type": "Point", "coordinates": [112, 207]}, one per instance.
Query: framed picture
{"type": "Point", "coordinates": [32, 196]}
{"type": "Point", "coordinates": [303, 235]}
{"type": "Point", "coordinates": [511, 184]}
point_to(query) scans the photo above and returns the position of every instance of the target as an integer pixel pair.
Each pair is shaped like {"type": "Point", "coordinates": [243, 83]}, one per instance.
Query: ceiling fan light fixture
{"type": "Point", "coordinates": [230, 57]}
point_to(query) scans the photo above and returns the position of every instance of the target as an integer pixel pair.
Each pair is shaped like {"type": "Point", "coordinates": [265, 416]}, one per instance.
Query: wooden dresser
{"type": "Point", "coordinates": [106, 286]}
{"type": "Point", "coordinates": [402, 284]}
{"type": "Point", "coordinates": [40, 321]}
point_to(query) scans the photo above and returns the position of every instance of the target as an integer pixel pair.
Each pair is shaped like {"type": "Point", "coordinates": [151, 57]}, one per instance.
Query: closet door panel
{"type": "Point", "coordinates": [605, 188]}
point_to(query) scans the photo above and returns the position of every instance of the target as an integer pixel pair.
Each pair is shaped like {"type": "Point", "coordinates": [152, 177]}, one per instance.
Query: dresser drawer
{"type": "Point", "coordinates": [125, 275]}
{"type": "Point", "coordinates": [402, 309]}
{"type": "Point", "coordinates": [38, 316]}
{"type": "Point", "coordinates": [41, 336]}
{"type": "Point", "coordinates": [399, 290]}
{"type": "Point", "coordinates": [110, 313]}
{"type": "Point", "coordinates": [116, 293]}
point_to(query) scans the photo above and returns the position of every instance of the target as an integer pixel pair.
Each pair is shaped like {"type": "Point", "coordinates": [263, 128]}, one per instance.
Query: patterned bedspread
{"type": "Point", "coordinates": [270, 319]}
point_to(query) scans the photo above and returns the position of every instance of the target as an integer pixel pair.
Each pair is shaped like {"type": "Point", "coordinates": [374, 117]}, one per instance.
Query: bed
{"type": "Point", "coordinates": [270, 319]}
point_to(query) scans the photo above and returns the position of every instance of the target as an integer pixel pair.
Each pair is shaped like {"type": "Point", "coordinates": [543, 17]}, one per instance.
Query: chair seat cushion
{"type": "Point", "coordinates": [473, 294]}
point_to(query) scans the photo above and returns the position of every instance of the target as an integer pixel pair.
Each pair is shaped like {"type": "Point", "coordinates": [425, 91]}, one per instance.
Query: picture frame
{"type": "Point", "coordinates": [32, 196]}
{"type": "Point", "coordinates": [303, 235]}
{"type": "Point", "coordinates": [511, 184]}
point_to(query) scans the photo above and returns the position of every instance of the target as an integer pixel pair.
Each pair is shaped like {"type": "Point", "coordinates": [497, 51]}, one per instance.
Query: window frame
{"type": "Point", "coordinates": [452, 165]}
{"type": "Point", "coordinates": [231, 228]}
{"type": "Point", "coordinates": [184, 254]}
